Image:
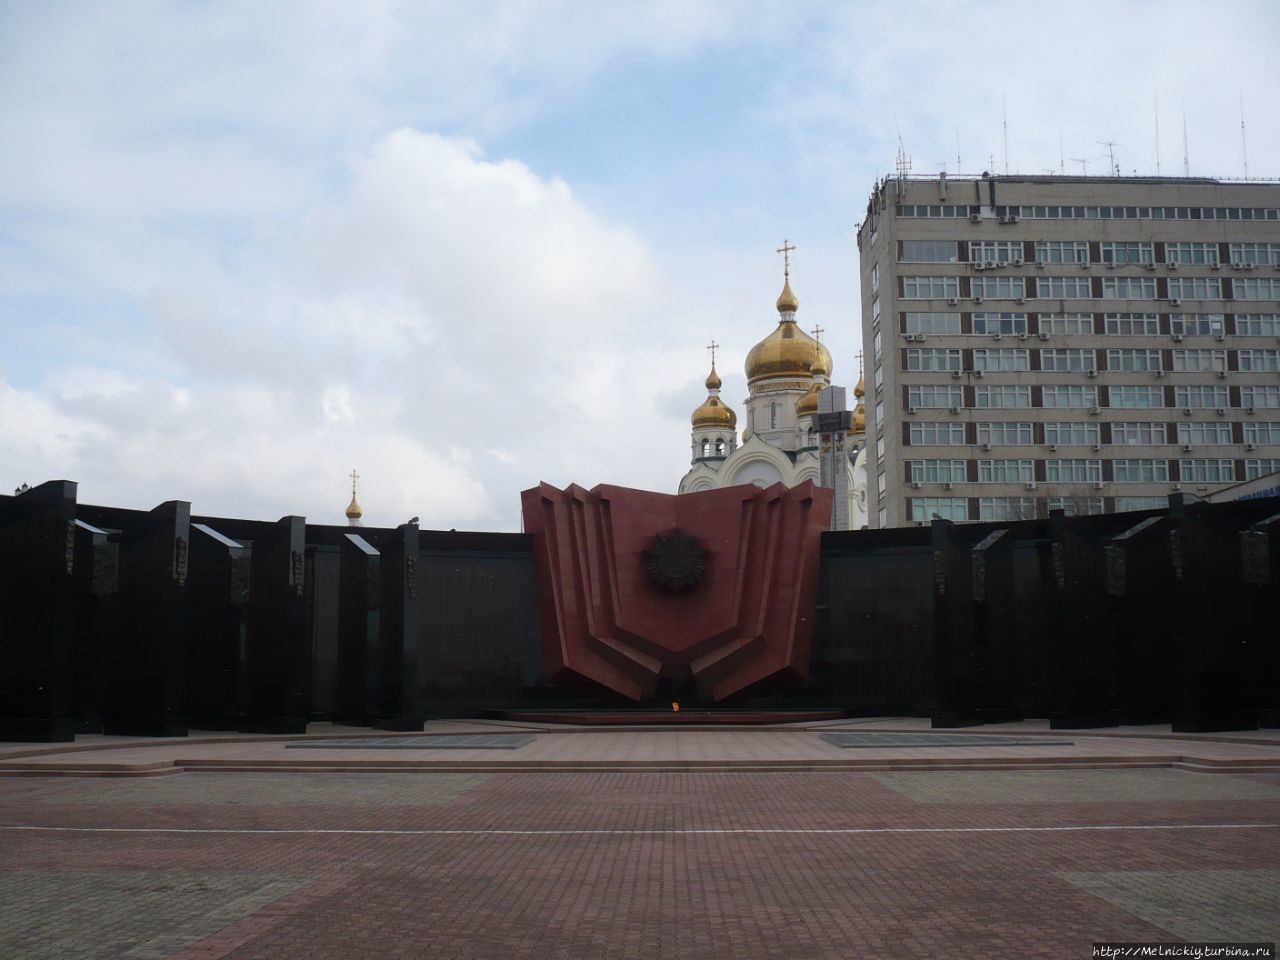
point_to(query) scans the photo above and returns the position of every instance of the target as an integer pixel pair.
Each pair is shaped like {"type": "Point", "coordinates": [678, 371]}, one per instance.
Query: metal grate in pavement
{"type": "Point", "coordinates": [455, 741]}
{"type": "Point", "coordinates": [936, 740]}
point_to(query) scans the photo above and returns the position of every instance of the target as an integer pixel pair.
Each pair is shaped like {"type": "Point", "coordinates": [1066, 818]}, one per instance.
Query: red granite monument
{"type": "Point", "coordinates": [719, 585]}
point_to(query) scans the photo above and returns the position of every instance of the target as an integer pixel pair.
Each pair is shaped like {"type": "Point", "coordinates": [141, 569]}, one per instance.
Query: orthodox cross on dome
{"type": "Point", "coordinates": [713, 346]}
{"type": "Point", "coordinates": [785, 250]}
{"type": "Point", "coordinates": [817, 333]}
{"type": "Point", "coordinates": [859, 364]}
{"type": "Point", "coordinates": [354, 477]}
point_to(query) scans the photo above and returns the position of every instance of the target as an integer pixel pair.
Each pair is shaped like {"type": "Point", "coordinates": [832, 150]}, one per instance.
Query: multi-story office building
{"type": "Point", "coordinates": [1092, 344]}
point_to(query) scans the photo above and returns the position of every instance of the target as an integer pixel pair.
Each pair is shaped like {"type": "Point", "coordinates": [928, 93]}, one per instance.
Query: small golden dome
{"type": "Point", "coordinates": [808, 404]}
{"type": "Point", "coordinates": [713, 379]}
{"type": "Point", "coordinates": [787, 302]}
{"type": "Point", "coordinates": [353, 511]}
{"type": "Point", "coordinates": [859, 419]}
{"type": "Point", "coordinates": [860, 390]}
{"type": "Point", "coordinates": [713, 413]}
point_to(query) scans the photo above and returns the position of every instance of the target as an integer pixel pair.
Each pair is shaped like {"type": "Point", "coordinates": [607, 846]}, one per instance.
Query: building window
{"type": "Point", "coordinates": [1129, 360]}
{"type": "Point", "coordinates": [999, 253]}
{"type": "Point", "coordinates": [929, 251]}
{"type": "Point", "coordinates": [1059, 361]}
{"type": "Point", "coordinates": [1125, 504]}
{"type": "Point", "coordinates": [935, 395]}
{"type": "Point", "coordinates": [1260, 397]}
{"type": "Point", "coordinates": [925, 288]}
{"type": "Point", "coordinates": [1006, 471]}
{"type": "Point", "coordinates": [1128, 288]}
{"type": "Point", "coordinates": [1260, 361]}
{"type": "Point", "coordinates": [1128, 396]}
{"type": "Point", "coordinates": [937, 471]}
{"type": "Point", "coordinates": [1006, 508]}
{"type": "Point", "coordinates": [1207, 471]}
{"type": "Point", "coordinates": [937, 323]}
{"type": "Point", "coordinates": [879, 450]}
{"type": "Point", "coordinates": [1008, 323]}
{"type": "Point", "coordinates": [1077, 506]}
{"type": "Point", "coordinates": [1136, 434]}
{"type": "Point", "coordinates": [1001, 359]}
{"type": "Point", "coordinates": [1059, 288]}
{"type": "Point", "coordinates": [924, 359]}
{"type": "Point", "coordinates": [924, 509]}
{"type": "Point", "coordinates": [1255, 254]}
{"type": "Point", "coordinates": [1072, 471]}
{"type": "Point", "coordinates": [1066, 323]}
{"type": "Point", "coordinates": [875, 312]}
{"type": "Point", "coordinates": [1195, 288]}
{"type": "Point", "coordinates": [875, 279]}
{"type": "Point", "coordinates": [1132, 324]}
{"type": "Point", "coordinates": [1069, 395]}
{"type": "Point", "coordinates": [879, 408]}
{"type": "Point", "coordinates": [1263, 432]}
{"type": "Point", "coordinates": [1256, 288]}
{"type": "Point", "coordinates": [877, 346]}
{"type": "Point", "coordinates": [773, 415]}
{"type": "Point", "coordinates": [1127, 252]}
{"type": "Point", "coordinates": [1009, 395]}
{"type": "Point", "coordinates": [1140, 471]}
{"type": "Point", "coordinates": [1191, 254]}
{"type": "Point", "coordinates": [879, 375]}
{"type": "Point", "coordinates": [1000, 432]}
{"type": "Point", "coordinates": [1253, 469]}
{"type": "Point", "coordinates": [999, 288]}
{"type": "Point", "coordinates": [1079, 432]}
{"type": "Point", "coordinates": [1258, 324]}
{"type": "Point", "coordinates": [1195, 324]}
{"type": "Point", "coordinates": [1196, 395]}
{"type": "Point", "coordinates": [936, 433]}
{"type": "Point", "coordinates": [1196, 434]}
{"type": "Point", "coordinates": [1062, 251]}
{"type": "Point", "coordinates": [1199, 361]}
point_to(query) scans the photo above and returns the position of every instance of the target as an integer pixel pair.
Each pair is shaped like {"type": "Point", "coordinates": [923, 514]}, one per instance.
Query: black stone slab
{"type": "Point", "coordinates": [461, 741]}
{"type": "Point", "coordinates": [936, 740]}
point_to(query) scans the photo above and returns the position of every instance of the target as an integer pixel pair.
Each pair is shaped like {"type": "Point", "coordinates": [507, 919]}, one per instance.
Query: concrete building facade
{"type": "Point", "coordinates": [1090, 344]}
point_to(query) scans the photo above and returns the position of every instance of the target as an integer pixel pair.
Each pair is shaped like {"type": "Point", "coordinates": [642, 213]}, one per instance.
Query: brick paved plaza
{"type": "Point", "coordinates": [1034, 859]}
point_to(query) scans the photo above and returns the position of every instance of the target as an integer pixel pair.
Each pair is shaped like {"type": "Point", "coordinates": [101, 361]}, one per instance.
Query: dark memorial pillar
{"type": "Point", "coordinates": [217, 593]}
{"type": "Point", "coordinates": [399, 681]}
{"type": "Point", "coordinates": [359, 621]}
{"type": "Point", "coordinates": [1260, 570]}
{"type": "Point", "coordinates": [96, 580]}
{"type": "Point", "coordinates": [146, 668]}
{"type": "Point", "coordinates": [277, 676]}
{"type": "Point", "coordinates": [37, 564]}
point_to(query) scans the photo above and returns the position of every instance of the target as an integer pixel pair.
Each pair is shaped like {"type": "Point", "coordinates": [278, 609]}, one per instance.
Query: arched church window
{"type": "Point", "coordinates": [773, 415]}
{"type": "Point", "coordinates": [720, 448]}
{"type": "Point", "coordinates": [706, 447]}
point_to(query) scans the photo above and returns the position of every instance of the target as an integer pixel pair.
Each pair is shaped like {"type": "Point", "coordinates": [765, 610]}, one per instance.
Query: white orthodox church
{"type": "Point", "coordinates": [786, 371]}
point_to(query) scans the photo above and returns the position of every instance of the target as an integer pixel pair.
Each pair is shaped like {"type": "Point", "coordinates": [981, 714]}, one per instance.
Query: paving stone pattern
{"type": "Point", "coordinates": [461, 741]}
{"type": "Point", "coordinates": [1072, 786]}
{"type": "Point", "coordinates": [1216, 905]}
{"type": "Point", "coordinates": [937, 740]}
{"type": "Point", "coordinates": [592, 865]}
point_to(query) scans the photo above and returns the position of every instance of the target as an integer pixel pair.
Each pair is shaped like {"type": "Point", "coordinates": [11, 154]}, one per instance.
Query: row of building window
{"type": "Point", "coordinates": [1008, 213]}
{"type": "Point", "coordinates": [960, 509]}
{"type": "Point", "coordinates": [1015, 323]}
{"type": "Point", "coordinates": [1143, 470]}
{"type": "Point", "coordinates": [1001, 253]}
{"type": "Point", "coordinates": [1085, 359]}
{"type": "Point", "coordinates": [1089, 432]}
{"type": "Point", "coordinates": [1087, 288]}
{"type": "Point", "coordinates": [1127, 396]}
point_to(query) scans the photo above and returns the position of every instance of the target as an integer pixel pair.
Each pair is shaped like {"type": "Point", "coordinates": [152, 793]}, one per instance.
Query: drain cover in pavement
{"type": "Point", "coordinates": [936, 740]}
{"type": "Point", "coordinates": [459, 741]}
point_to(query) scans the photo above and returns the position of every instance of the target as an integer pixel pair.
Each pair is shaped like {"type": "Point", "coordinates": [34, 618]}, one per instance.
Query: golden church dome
{"type": "Point", "coordinates": [859, 419]}
{"type": "Point", "coordinates": [353, 511]}
{"type": "Point", "coordinates": [713, 379]}
{"type": "Point", "coordinates": [713, 413]}
{"type": "Point", "coordinates": [788, 351]}
{"type": "Point", "coordinates": [808, 404]}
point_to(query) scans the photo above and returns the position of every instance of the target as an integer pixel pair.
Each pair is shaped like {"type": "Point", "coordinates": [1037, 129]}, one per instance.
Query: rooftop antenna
{"type": "Point", "coordinates": [902, 163]}
{"type": "Point", "coordinates": [1157, 133]}
{"type": "Point", "coordinates": [958, 167]}
{"type": "Point", "coordinates": [1062, 163]}
{"type": "Point", "coordinates": [1084, 165]}
{"type": "Point", "coordinates": [1186, 163]}
{"type": "Point", "coordinates": [1244, 144]}
{"type": "Point", "coordinates": [1111, 154]}
{"type": "Point", "coordinates": [1004, 125]}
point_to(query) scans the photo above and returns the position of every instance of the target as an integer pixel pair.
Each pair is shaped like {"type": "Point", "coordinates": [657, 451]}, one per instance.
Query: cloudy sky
{"type": "Point", "coordinates": [465, 247]}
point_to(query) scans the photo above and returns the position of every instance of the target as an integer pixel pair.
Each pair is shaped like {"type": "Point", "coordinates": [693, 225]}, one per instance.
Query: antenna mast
{"type": "Point", "coordinates": [1062, 162]}
{"type": "Point", "coordinates": [1111, 155]}
{"type": "Point", "coordinates": [958, 167]}
{"type": "Point", "coordinates": [1186, 163]}
{"type": "Point", "coordinates": [1157, 133]}
{"type": "Point", "coordinates": [1004, 123]}
{"type": "Point", "coordinates": [1244, 144]}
